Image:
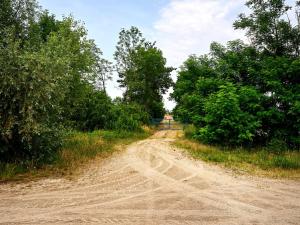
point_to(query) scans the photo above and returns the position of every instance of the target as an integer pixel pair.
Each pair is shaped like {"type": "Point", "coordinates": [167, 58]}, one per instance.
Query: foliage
{"type": "Point", "coordinates": [129, 41]}
{"type": "Point", "coordinates": [52, 77]}
{"type": "Point", "coordinates": [267, 28]}
{"type": "Point", "coordinates": [78, 149]}
{"type": "Point", "coordinates": [92, 110]}
{"type": "Point", "coordinates": [257, 161]}
{"type": "Point", "coordinates": [189, 131]}
{"type": "Point", "coordinates": [128, 117]}
{"type": "Point", "coordinates": [225, 121]}
{"type": "Point", "coordinates": [102, 70]}
{"type": "Point", "coordinates": [142, 71]}
{"type": "Point", "coordinates": [32, 80]}
{"type": "Point", "coordinates": [243, 94]}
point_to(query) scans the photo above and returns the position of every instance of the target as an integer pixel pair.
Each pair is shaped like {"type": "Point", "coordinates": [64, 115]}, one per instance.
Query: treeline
{"type": "Point", "coordinates": [53, 79]}
{"type": "Point", "coordinates": [247, 94]}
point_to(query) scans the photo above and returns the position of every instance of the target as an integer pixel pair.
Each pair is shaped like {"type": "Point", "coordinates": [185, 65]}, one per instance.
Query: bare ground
{"type": "Point", "coordinates": [152, 183]}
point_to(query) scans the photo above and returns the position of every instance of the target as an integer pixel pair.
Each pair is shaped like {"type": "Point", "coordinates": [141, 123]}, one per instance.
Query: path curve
{"type": "Point", "coordinates": [152, 182]}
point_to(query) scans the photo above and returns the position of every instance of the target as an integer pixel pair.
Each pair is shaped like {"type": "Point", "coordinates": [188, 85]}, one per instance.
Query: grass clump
{"type": "Point", "coordinates": [254, 161]}
{"type": "Point", "coordinates": [78, 149]}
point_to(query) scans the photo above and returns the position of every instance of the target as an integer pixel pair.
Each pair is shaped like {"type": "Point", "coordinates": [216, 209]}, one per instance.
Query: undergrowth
{"type": "Point", "coordinates": [253, 161]}
{"type": "Point", "coordinates": [78, 149]}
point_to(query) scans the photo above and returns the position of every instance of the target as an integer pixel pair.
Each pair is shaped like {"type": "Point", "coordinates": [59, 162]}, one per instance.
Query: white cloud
{"type": "Point", "coordinates": [188, 27]}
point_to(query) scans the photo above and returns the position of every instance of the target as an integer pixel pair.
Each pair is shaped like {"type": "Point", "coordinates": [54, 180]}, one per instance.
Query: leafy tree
{"type": "Point", "coordinates": [149, 79]}
{"type": "Point", "coordinates": [39, 58]}
{"type": "Point", "coordinates": [267, 28]}
{"type": "Point", "coordinates": [94, 112]}
{"type": "Point", "coordinates": [226, 123]}
{"type": "Point", "coordinates": [129, 41]}
{"type": "Point", "coordinates": [143, 72]}
{"type": "Point", "coordinates": [16, 17]}
{"type": "Point", "coordinates": [127, 116]}
{"type": "Point", "coordinates": [103, 70]}
{"type": "Point", "coordinates": [52, 77]}
{"type": "Point", "coordinates": [196, 80]}
{"type": "Point", "coordinates": [256, 84]}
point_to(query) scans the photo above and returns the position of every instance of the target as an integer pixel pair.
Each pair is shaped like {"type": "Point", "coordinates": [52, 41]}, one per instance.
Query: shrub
{"type": "Point", "coordinates": [277, 145]}
{"type": "Point", "coordinates": [128, 117]}
{"type": "Point", "coordinates": [189, 131]}
{"type": "Point", "coordinates": [38, 147]}
{"type": "Point", "coordinates": [225, 122]}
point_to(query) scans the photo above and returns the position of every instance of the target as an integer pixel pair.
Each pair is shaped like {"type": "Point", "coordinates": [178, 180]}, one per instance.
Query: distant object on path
{"type": "Point", "coordinates": [168, 117]}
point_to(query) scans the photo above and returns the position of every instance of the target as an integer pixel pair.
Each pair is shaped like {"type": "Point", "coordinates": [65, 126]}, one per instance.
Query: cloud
{"type": "Point", "coordinates": [189, 26]}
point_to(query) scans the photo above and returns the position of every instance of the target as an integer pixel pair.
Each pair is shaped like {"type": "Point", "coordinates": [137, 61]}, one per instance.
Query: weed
{"type": "Point", "coordinates": [257, 161]}
{"type": "Point", "coordinates": [78, 149]}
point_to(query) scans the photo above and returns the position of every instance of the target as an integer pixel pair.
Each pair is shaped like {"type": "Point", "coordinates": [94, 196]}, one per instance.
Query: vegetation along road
{"type": "Point", "coordinates": [152, 182]}
{"type": "Point", "coordinates": [72, 121]}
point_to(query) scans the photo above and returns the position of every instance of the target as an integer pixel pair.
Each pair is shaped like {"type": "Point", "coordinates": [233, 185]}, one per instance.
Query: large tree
{"type": "Point", "coordinates": [269, 27]}
{"type": "Point", "coordinates": [142, 70]}
{"type": "Point", "coordinates": [42, 62]}
{"type": "Point", "coordinates": [260, 79]}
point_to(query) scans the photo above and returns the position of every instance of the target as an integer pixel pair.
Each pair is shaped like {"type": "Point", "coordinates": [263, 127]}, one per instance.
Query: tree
{"type": "Point", "coordinates": [36, 70]}
{"type": "Point", "coordinates": [127, 116]}
{"type": "Point", "coordinates": [16, 17]}
{"type": "Point", "coordinates": [143, 72]}
{"type": "Point", "coordinates": [226, 123]}
{"type": "Point", "coordinates": [149, 79]}
{"type": "Point", "coordinates": [267, 29]}
{"type": "Point", "coordinates": [129, 41]}
{"type": "Point", "coordinates": [52, 77]}
{"type": "Point", "coordinates": [102, 70]}
{"type": "Point", "coordinates": [196, 80]}
{"type": "Point", "coordinates": [255, 86]}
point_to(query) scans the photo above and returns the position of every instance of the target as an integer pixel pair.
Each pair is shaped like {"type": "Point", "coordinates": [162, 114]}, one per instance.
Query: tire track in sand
{"type": "Point", "coordinates": [152, 183]}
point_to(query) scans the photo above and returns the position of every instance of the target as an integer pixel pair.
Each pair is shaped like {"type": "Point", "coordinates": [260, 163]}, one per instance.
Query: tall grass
{"type": "Point", "coordinates": [79, 148]}
{"type": "Point", "coordinates": [257, 161]}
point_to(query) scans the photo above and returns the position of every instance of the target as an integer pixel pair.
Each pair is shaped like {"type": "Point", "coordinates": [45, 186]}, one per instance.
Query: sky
{"type": "Point", "coordinates": [179, 27]}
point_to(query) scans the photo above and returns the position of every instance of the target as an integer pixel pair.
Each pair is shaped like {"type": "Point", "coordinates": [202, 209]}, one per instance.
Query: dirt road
{"type": "Point", "coordinates": [152, 183]}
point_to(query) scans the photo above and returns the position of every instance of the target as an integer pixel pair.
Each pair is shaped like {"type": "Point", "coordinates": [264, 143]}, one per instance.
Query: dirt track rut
{"type": "Point", "coordinates": [152, 183]}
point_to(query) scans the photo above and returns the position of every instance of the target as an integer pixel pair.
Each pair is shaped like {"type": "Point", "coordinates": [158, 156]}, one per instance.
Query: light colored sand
{"type": "Point", "coordinates": [152, 183]}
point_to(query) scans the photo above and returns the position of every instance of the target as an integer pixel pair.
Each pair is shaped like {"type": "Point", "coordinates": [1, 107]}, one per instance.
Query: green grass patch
{"type": "Point", "coordinates": [254, 161]}
{"type": "Point", "coordinates": [78, 150]}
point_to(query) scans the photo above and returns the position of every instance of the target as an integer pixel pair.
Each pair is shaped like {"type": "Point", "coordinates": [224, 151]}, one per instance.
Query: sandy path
{"type": "Point", "coordinates": [152, 183]}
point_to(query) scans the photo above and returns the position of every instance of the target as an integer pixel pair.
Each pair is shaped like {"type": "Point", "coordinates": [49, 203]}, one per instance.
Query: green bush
{"type": "Point", "coordinates": [128, 117]}
{"type": "Point", "coordinates": [39, 58]}
{"type": "Point", "coordinates": [38, 147]}
{"type": "Point", "coordinates": [263, 107]}
{"type": "Point", "coordinates": [277, 145]}
{"type": "Point", "coordinates": [90, 110]}
{"type": "Point", "coordinates": [189, 131]}
{"type": "Point", "coordinates": [225, 122]}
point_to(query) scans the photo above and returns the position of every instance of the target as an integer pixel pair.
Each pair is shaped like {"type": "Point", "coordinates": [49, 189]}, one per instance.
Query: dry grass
{"type": "Point", "coordinates": [79, 150]}
{"type": "Point", "coordinates": [255, 161]}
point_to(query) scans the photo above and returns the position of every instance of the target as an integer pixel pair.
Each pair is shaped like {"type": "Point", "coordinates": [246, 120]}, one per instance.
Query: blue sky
{"type": "Point", "coordinates": [180, 27]}
{"type": "Point", "coordinates": [105, 18]}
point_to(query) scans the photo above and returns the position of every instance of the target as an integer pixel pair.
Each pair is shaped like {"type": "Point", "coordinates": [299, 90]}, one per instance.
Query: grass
{"type": "Point", "coordinates": [79, 149]}
{"type": "Point", "coordinates": [253, 161]}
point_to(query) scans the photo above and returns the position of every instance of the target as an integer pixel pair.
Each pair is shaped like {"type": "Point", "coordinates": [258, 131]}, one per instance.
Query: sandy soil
{"type": "Point", "coordinates": [152, 183]}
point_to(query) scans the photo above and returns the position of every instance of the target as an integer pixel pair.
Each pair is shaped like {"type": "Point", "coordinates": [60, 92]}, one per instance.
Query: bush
{"type": "Point", "coordinates": [91, 110]}
{"type": "Point", "coordinates": [129, 117]}
{"type": "Point", "coordinates": [277, 145]}
{"type": "Point", "coordinates": [39, 58]}
{"type": "Point", "coordinates": [189, 131]}
{"type": "Point", "coordinates": [38, 147]}
{"type": "Point", "coordinates": [225, 122]}
{"type": "Point", "coordinates": [157, 110]}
